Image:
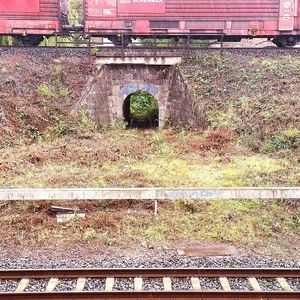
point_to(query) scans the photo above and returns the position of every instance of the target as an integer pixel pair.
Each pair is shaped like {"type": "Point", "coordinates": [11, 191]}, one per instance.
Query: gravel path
{"type": "Point", "coordinates": [94, 284]}
{"type": "Point", "coordinates": [8, 285]}
{"type": "Point", "coordinates": [210, 284]}
{"type": "Point", "coordinates": [239, 284]}
{"type": "Point", "coordinates": [66, 285]}
{"type": "Point", "coordinates": [165, 260]}
{"type": "Point", "coordinates": [150, 284]}
{"type": "Point", "coordinates": [181, 284]}
{"type": "Point", "coordinates": [36, 285]}
{"type": "Point", "coordinates": [269, 284]}
{"type": "Point", "coordinates": [294, 283]}
{"type": "Point", "coordinates": [123, 284]}
{"type": "Point", "coordinates": [44, 53]}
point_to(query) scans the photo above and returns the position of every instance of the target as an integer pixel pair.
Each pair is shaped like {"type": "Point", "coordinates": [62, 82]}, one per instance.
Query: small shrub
{"type": "Point", "coordinates": [57, 71]}
{"type": "Point", "coordinates": [60, 128]}
{"type": "Point", "coordinates": [284, 140]}
{"type": "Point", "coordinates": [64, 93]}
{"type": "Point", "coordinates": [45, 91]}
{"type": "Point", "coordinates": [143, 106]}
{"type": "Point", "coordinates": [157, 232]}
{"type": "Point", "coordinates": [85, 124]}
{"type": "Point", "coordinates": [89, 234]}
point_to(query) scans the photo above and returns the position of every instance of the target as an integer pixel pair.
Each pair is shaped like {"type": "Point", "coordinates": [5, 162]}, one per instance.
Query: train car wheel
{"type": "Point", "coordinates": [120, 41]}
{"type": "Point", "coordinates": [29, 40]}
{"type": "Point", "coordinates": [285, 41]}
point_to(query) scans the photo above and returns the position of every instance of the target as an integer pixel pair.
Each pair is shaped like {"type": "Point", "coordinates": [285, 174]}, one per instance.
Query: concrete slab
{"type": "Point", "coordinates": [210, 250]}
{"type": "Point", "coordinates": [149, 193]}
{"type": "Point", "coordinates": [160, 61]}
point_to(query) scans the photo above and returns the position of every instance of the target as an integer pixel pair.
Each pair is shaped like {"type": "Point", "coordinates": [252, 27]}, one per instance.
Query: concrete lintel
{"type": "Point", "coordinates": [149, 193]}
{"type": "Point", "coordinates": [146, 60]}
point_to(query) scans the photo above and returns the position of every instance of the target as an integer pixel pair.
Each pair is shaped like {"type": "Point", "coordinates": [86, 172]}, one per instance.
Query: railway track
{"type": "Point", "coordinates": [133, 51]}
{"type": "Point", "coordinates": [150, 284]}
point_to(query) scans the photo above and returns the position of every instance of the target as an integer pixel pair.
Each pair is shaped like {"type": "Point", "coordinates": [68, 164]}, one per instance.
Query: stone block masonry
{"type": "Point", "coordinates": [105, 94]}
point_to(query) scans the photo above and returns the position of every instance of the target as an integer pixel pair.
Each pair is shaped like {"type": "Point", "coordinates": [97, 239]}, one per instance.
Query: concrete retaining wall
{"type": "Point", "coordinates": [149, 194]}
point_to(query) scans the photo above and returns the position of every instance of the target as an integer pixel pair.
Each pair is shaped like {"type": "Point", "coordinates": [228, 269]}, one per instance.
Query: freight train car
{"type": "Point", "coordinates": [29, 21]}
{"type": "Point", "coordinates": [230, 20]}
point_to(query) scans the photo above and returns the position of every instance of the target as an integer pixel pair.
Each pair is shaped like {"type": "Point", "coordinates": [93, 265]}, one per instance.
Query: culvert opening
{"type": "Point", "coordinates": [140, 110]}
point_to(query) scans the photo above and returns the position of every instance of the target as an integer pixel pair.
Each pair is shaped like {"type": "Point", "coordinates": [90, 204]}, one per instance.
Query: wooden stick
{"type": "Point", "coordinates": [225, 284]}
{"type": "Point", "coordinates": [167, 284]}
{"type": "Point", "coordinates": [109, 284]}
{"type": "Point", "coordinates": [80, 284]}
{"type": "Point", "coordinates": [138, 284]}
{"type": "Point", "coordinates": [255, 285]}
{"type": "Point", "coordinates": [22, 285]}
{"type": "Point", "coordinates": [284, 285]}
{"type": "Point", "coordinates": [196, 284]}
{"type": "Point", "coordinates": [53, 282]}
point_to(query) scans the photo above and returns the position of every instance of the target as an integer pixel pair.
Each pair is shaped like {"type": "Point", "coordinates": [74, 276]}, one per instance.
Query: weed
{"type": "Point", "coordinates": [157, 232]}
{"type": "Point", "coordinates": [45, 91]}
{"type": "Point", "coordinates": [89, 234]}
{"type": "Point", "coordinates": [57, 71]}
{"type": "Point", "coordinates": [84, 123]}
{"type": "Point", "coordinates": [287, 139]}
{"type": "Point", "coordinates": [60, 129]}
{"type": "Point", "coordinates": [64, 93]}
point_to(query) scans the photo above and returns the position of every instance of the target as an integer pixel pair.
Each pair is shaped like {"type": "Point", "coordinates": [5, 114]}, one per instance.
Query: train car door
{"type": "Point", "coordinates": [287, 13]}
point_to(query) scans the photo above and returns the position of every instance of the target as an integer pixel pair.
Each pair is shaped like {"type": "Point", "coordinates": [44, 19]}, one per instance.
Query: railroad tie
{"type": "Point", "coordinates": [225, 284]}
{"type": "Point", "coordinates": [80, 284]}
{"type": "Point", "coordinates": [22, 285]}
{"type": "Point", "coordinates": [109, 284]}
{"type": "Point", "coordinates": [254, 284]}
{"type": "Point", "coordinates": [167, 284]}
{"type": "Point", "coordinates": [284, 285]}
{"type": "Point", "coordinates": [196, 284]}
{"type": "Point", "coordinates": [138, 284]}
{"type": "Point", "coordinates": [53, 282]}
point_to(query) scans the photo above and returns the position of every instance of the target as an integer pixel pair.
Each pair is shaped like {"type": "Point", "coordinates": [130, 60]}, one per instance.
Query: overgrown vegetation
{"type": "Point", "coordinates": [265, 228]}
{"type": "Point", "coordinates": [256, 97]}
{"type": "Point", "coordinates": [252, 140]}
{"type": "Point", "coordinates": [143, 106]}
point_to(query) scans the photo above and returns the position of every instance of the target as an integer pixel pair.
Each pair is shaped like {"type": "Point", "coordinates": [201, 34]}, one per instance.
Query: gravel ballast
{"type": "Point", "coordinates": [94, 284]}
{"type": "Point", "coordinates": [239, 284]}
{"type": "Point", "coordinates": [162, 260]}
{"type": "Point", "coordinates": [153, 284]}
{"type": "Point", "coordinates": [66, 285]}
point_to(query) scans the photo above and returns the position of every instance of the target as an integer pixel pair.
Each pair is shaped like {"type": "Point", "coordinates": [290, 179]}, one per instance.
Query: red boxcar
{"type": "Point", "coordinates": [30, 20]}
{"type": "Point", "coordinates": [234, 19]}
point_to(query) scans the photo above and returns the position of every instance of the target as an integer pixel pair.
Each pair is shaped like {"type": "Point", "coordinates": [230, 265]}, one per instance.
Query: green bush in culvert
{"type": "Point", "coordinates": [143, 106]}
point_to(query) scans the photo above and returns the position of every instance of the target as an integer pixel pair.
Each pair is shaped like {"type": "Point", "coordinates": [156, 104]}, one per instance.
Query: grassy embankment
{"type": "Point", "coordinates": [253, 140]}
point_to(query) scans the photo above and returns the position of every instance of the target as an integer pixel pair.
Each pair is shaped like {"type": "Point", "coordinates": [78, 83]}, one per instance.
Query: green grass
{"type": "Point", "coordinates": [122, 158]}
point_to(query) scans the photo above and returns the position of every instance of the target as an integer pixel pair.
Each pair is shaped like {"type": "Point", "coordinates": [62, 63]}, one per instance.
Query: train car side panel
{"type": "Point", "coordinates": [266, 18]}
{"type": "Point", "coordinates": [30, 17]}
{"type": "Point", "coordinates": [20, 6]}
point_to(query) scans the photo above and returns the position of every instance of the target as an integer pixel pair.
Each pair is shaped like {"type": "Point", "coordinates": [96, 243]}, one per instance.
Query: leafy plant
{"type": "Point", "coordinates": [286, 139]}
{"type": "Point", "coordinates": [85, 124]}
{"type": "Point", "coordinates": [143, 106]}
{"type": "Point", "coordinates": [89, 234]}
{"type": "Point", "coordinates": [60, 128]}
{"type": "Point", "coordinates": [45, 90]}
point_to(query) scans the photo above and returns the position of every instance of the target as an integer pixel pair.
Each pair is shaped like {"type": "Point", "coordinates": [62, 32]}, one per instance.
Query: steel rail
{"type": "Point", "coordinates": [151, 273]}
{"type": "Point", "coordinates": [146, 272]}
{"type": "Point", "coordinates": [202, 295]}
{"type": "Point", "coordinates": [129, 48]}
